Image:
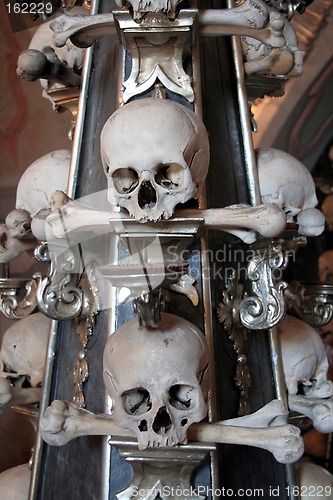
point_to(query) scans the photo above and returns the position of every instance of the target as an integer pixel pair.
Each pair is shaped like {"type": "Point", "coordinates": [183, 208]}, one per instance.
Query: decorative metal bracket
{"type": "Point", "coordinates": [12, 304]}
{"type": "Point", "coordinates": [311, 302]}
{"type": "Point", "coordinates": [65, 295]}
{"type": "Point", "coordinates": [58, 295]}
{"type": "Point", "coordinates": [228, 315]}
{"type": "Point", "coordinates": [154, 263]}
{"type": "Point", "coordinates": [162, 473]}
{"type": "Point", "coordinates": [157, 46]}
{"type": "Point", "coordinates": [66, 99]}
{"type": "Point", "coordinates": [265, 306]}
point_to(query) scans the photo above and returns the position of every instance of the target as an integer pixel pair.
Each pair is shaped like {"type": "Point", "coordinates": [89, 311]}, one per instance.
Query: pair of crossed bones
{"type": "Point", "coordinates": [266, 429]}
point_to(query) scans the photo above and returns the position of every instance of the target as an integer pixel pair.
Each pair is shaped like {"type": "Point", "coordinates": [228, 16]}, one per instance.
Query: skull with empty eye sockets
{"type": "Point", "coordinates": [157, 379]}
{"type": "Point", "coordinates": [155, 154]}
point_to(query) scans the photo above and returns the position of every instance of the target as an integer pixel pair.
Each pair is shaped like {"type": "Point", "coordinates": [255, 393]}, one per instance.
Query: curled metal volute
{"type": "Point", "coordinates": [41, 252]}
{"type": "Point", "coordinates": [265, 306]}
{"type": "Point", "coordinates": [12, 305]}
{"type": "Point", "coordinates": [311, 302]}
{"type": "Point", "coordinates": [58, 295]}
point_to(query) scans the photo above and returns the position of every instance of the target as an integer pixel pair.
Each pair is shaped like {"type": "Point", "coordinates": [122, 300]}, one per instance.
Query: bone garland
{"type": "Point", "coordinates": [63, 421]}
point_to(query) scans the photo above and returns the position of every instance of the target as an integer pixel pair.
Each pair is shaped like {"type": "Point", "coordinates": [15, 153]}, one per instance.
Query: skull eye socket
{"type": "Point", "coordinates": [136, 401]}
{"type": "Point", "coordinates": [181, 397]}
{"type": "Point", "coordinates": [125, 180]}
{"type": "Point", "coordinates": [170, 176]}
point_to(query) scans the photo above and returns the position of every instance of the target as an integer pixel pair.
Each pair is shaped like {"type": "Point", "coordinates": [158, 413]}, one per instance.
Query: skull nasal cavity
{"type": "Point", "coordinates": [162, 422]}
{"type": "Point", "coordinates": [147, 195]}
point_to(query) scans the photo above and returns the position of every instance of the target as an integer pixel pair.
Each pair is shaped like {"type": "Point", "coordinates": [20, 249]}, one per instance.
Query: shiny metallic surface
{"type": "Point", "coordinates": [39, 443]}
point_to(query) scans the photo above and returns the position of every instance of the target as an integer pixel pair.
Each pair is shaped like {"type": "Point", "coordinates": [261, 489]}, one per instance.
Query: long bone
{"type": "Point", "coordinates": [320, 411]}
{"type": "Point", "coordinates": [63, 421]}
{"type": "Point", "coordinates": [251, 19]}
{"type": "Point", "coordinates": [267, 220]}
{"type": "Point", "coordinates": [11, 396]}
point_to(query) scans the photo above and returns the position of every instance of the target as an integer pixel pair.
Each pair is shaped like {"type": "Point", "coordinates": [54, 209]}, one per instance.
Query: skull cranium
{"type": "Point", "coordinates": [304, 359]}
{"type": "Point", "coordinates": [159, 386]}
{"type": "Point", "coordinates": [155, 154]}
{"type": "Point", "coordinates": [285, 181]}
{"type": "Point", "coordinates": [23, 350]}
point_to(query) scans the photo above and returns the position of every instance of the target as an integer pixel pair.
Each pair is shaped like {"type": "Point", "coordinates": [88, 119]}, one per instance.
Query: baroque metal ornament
{"type": "Point", "coordinates": [265, 307]}
{"type": "Point", "coordinates": [157, 46]}
{"type": "Point", "coordinates": [164, 474]}
{"type": "Point", "coordinates": [85, 326]}
{"type": "Point", "coordinates": [311, 302]}
{"type": "Point", "coordinates": [228, 315]}
{"type": "Point", "coordinates": [12, 304]}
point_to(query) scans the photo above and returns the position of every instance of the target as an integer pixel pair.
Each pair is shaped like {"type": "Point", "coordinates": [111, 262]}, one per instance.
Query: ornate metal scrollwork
{"type": "Point", "coordinates": [265, 307]}
{"type": "Point", "coordinates": [65, 294]}
{"type": "Point", "coordinates": [311, 302]}
{"type": "Point", "coordinates": [58, 296]}
{"type": "Point", "coordinates": [12, 304]}
{"type": "Point", "coordinates": [228, 315]}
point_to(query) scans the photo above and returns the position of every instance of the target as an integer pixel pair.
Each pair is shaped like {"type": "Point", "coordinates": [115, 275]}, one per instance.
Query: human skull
{"type": "Point", "coordinates": [304, 359]}
{"type": "Point", "coordinates": [41, 179]}
{"type": "Point", "coordinates": [35, 190]}
{"type": "Point", "coordinates": [155, 154]}
{"type": "Point", "coordinates": [157, 379]}
{"type": "Point", "coordinates": [285, 181]}
{"type": "Point", "coordinates": [313, 478]}
{"type": "Point", "coordinates": [15, 483]}
{"type": "Point", "coordinates": [23, 350]}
